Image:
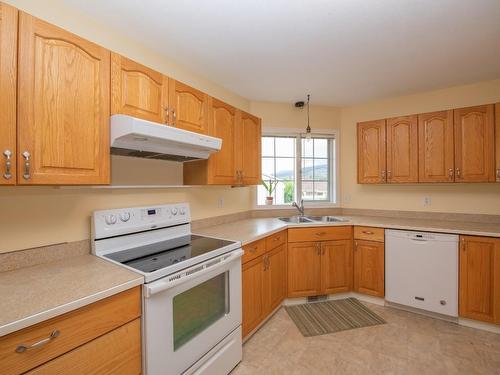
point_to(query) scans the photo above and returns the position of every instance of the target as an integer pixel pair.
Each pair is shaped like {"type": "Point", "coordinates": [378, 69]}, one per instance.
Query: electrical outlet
{"type": "Point", "coordinates": [220, 202]}
{"type": "Point", "coordinates": [426, 201]}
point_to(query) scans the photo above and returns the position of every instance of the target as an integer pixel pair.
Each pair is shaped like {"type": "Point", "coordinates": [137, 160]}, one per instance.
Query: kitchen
{"type": "Point", "coordinates": [391, 173]}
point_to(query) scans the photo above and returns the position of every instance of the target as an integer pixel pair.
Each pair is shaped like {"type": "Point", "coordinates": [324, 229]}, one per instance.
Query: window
{"type": "Point", "coordinates": [295, 168]}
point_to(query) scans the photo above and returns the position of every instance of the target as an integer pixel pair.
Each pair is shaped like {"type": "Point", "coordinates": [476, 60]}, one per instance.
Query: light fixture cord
{"type": "Point", "coordinates": [308, 129]}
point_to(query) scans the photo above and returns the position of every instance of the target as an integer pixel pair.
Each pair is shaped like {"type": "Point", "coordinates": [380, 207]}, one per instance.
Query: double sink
{"type": "Point", "coordinates": [312, 219]}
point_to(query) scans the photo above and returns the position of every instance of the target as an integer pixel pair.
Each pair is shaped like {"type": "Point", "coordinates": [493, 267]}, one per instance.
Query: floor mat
{"type": "Point", "coordinates": [319, 318]}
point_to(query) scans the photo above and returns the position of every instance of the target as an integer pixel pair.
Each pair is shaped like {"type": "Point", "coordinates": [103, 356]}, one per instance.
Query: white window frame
{"type": "Point", "coordinates": [335, 188]}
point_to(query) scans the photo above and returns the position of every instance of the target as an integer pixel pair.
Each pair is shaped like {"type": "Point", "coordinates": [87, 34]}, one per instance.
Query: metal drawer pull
{"type": "Point", "coordinates": [320, 233]}
{"type": "Point", "coordinates": [27, 165]}
{"type": "Point", "coordinates": [450, 173]}
{"type": "Point", "coordinates": [22, 348]}
{"type": "Point", "coordinates": [367, 232]}
{"type": "Point", "coordinates": [254, 249]}
{"type": "Point", "coordinates": [174, 115]}
{"type": "Point", "coordinates": [498, 174]}
{"type": "Point", "coordinates": [7, 175]}
{"type": "Point", "coordinates": [276, 238]}
{"type": "Point", "coordinates": [458, 172]}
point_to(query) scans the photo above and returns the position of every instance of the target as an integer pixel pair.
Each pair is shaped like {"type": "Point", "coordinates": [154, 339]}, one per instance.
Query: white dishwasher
{"type": "Point", "coordinates": [421, 270]}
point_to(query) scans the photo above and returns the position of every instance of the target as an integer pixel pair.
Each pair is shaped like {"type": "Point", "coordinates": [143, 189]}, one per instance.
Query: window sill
{"type": "Point", "coordinates": [289, 207]}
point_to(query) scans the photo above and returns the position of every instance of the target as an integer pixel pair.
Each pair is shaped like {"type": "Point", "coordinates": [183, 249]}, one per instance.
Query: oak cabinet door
{"type": "Point", "coordinates": [479, 278]}
{"type": "Point", "coordinates": [435, 143]}
{"type": "Point", "coordinates": [63, 114]}
{"type": "Point", "coordinates": [188, 107]}
{"type": "Point", "coordinates": [336, 266]}
{"type": "Point", "coordinates": [275, 278]}
{"type": "Point", "coordinates": [474, 144]}
{"type": "Point", "coordinates": [402, 150]}
{"type": "Point", "coordinates": [303, 268]}
{"type": "Point", "coordinates": [252, 294]}
{"type": "Point", "coordinates": [249, 145]}
{"type": "Point", "coordinates": [137, 90]}
{"type": "Point", "coordinates": [371, 152]}
{"type": "Point", "coordinates": [369, 267]}
{"type": "Point", "coordinates": [8, 87]}
{"type": "Point", "coordinates": [222, 164]}
{"type": "Point", "coordinates": [497, 141]}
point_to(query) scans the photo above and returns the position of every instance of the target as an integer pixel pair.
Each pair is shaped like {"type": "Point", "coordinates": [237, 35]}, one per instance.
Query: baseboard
{"type": "Point", "coordinates": [448, 318]}
{"type": "Point", "coordinates": [490, 327]}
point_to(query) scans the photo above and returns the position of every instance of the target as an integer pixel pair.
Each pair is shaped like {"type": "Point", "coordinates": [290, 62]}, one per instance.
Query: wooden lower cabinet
{"type": "Point", "coordinates": [263, 281]}
{"type": "Point", "coordinates": [118, 352]}
{"type": "Point", "coordinates": [336, 266]}
{"type": "Point", "coordinates": [252, 294]}
{"type": "Point", "coordinates": [91, 339]}
{"type": "Point", "coordinates": [497, 141]}
{"type": "Point", "coordinates": [369, 272]}
{"type": "Point", "coordinates": [304, 267]}
{"type": "Point", "coordinates": [479, 297]}
{"type": "Point", "coordinates": [274, 278]}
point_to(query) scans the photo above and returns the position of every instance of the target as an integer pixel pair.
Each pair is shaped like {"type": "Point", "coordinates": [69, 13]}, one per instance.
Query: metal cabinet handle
{"type": "Point", "coordinates": [458, 172]}
{"type": "Point", "coordinates": [389, 175]}
{"type": "Point", "coordinates": [22, 348]}
{"type": "Point", "coordinates": [382, 175]}
{"type": "Point", "coordinates": [253, 249]}
{"type": "Point", "coordinates": [27, 165]}
{"type": "Point", "coordinates": [320, 233]}
{"type": "Point", "coordinates": [450, 173]}
{"type": "Point", "coordinates": [366, 232]}
{"type": "Point", "coordinates": [498, 174]}
{"type": "Point", "coordinates": [7, 175]}
{"type": "Point", "coordinates": [174, 115]}
{"type": "Point", "coordinates": [276, 238]}
{"type": "Point", "coordinates": [167, 111]}
{"type": "Point", "coordinates": [318, 248]}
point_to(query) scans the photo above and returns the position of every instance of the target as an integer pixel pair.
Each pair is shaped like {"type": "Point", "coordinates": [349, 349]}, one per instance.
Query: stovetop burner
{"type": "Point", "coordinates": [152, 257]}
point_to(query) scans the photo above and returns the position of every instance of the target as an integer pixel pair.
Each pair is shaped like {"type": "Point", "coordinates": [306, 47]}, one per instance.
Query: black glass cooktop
{"type": "Point", "coordinates": [149, 258]}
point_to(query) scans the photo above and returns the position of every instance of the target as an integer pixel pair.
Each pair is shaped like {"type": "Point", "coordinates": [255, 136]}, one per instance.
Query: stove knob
{"type": "Point", "coordinates": [182, 211]}
{"type": "Point", "coordinates": [125, 216]}
{"type": "Point", "coordinates": [174, 211]}
{"type": "Point", "coordinates": [110, 219]}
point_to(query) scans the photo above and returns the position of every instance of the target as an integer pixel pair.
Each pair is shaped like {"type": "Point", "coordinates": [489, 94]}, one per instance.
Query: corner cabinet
{"type": "Point", "coordinates": [63, 107]}
{"type": "Point", "coordinates": [138, 91]}
{"type": "Point", "coordinates": [480, 278]}
{"type": "Point", "coordinates": [371, 152]}
{"type": "Point", "coordinates": [8, 86]}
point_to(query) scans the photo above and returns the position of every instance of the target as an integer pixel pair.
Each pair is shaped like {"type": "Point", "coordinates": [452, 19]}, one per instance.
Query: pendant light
{"type": "Point", "coordinates": [308, 129]}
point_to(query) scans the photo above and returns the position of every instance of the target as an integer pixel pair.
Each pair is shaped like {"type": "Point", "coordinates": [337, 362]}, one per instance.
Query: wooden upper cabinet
{"type": "Point", "coordinates": [497, 141]}
{"type": "Point", "coordinates": [402, 149]}
{"type": "Point", "coordinates": [336, 266]}
{"type": "Point", "coordinates": [474, 144]}
{"type": "Point", "coordinates": [435, 144]}
{"type": "Point", "coordinates": [63, 114]}
{"type": "Point", "coordinates": [137, 90]}
{"type": "Point", "coordinates": [480, 278]}
{"type": "Point", "coordinates": [188, 107]}
{"type": "Point", "coordinates": [8, 82]}
{"type": "Point", "coordinates": [369, 267]}
{"type": "Point", "coordinates": [303, 268]}
{"type": "Point", "coordinates": [249, 146]}
{"type": "Point", "coordinates": [371, 152]}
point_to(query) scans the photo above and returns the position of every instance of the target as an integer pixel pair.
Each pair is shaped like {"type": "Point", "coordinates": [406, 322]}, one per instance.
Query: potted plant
{"type": "Point", "coordinates": [270, 186]}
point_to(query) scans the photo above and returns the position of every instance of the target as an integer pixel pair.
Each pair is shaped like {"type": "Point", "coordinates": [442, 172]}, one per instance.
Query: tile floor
{"type": "Point", "coordinates": [408, 344]}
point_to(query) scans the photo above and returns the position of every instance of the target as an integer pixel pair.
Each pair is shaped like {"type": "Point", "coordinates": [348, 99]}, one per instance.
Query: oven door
{"type": "Point", "coordinates": [188, 313]}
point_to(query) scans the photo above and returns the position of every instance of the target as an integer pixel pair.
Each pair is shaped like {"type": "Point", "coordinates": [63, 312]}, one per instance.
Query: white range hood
{"type": "Point", "coordinates": [131, 136]}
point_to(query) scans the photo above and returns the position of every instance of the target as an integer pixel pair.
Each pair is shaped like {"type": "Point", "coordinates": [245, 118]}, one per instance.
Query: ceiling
{"type": "Point", "coordinates": [342, 52]}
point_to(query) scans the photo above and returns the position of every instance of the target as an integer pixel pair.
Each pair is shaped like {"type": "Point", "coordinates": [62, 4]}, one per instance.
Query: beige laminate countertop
{"type": "Point", "coordinates": [33, 294]}
{"type": "Point", "coordinates": [249, 230]}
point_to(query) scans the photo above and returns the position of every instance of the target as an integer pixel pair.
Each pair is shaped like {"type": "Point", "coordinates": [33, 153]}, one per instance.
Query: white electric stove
{"type": "Point", "coordinates": [192, 290]}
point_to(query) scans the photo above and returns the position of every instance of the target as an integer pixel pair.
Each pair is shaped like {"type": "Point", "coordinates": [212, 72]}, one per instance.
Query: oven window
{"type": "Point", "coordinates": [199, 307]}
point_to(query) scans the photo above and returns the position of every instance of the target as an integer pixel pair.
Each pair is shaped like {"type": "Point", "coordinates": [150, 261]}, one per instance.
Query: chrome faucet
{"type": "Point", "coordinates": [300, 208]}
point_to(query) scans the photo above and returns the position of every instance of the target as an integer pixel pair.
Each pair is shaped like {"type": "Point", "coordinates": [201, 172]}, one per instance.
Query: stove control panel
{"type": "Point", "coordinates": [108, 223]}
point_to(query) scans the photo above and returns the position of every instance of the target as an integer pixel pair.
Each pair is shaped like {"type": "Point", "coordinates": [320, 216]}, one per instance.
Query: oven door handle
{"type": "Point", "coordinates": [185, 275]}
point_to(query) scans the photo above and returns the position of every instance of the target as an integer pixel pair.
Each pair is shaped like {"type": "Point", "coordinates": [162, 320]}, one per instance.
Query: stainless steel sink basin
{"type": "Point", "coordinates": [295, 219]}
{"type": "Point", "coordinates": [327, 219]}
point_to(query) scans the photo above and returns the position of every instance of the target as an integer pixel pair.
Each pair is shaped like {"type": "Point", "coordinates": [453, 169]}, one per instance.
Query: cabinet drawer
{"type": "Point", "coordinates": [117, 352]}
{"type": "Point", "coordinates": [275, 240]}
{"type": "Point", "coordinates": [253, 250]}
{"type": "Point", "coordinates": [319, 234]}
{"type": "Point", "coordinates": [75, 328]}
{"type": "Point", "coordinates": [369, 233]}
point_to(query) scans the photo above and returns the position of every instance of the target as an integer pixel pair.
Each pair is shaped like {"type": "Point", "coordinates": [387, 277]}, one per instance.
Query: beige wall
{"type": "Point", "coordinates": [36, 216]}
{"type": "Point", "coordinates": [468, 198]}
